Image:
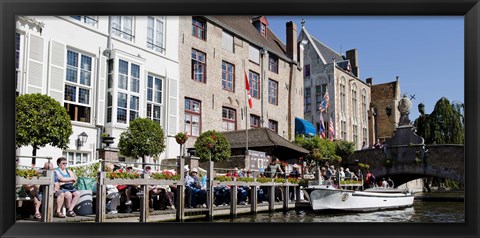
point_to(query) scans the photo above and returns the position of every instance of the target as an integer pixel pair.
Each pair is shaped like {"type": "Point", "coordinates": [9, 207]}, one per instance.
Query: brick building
{"type": "Point", "coordinates": [385, 99]}
{"type": "Point", "coordinates": [216, 53]}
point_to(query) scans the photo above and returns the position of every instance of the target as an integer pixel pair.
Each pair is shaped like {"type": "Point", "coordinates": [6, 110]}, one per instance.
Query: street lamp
{"type": "Point", "coordinates": [81, 139]}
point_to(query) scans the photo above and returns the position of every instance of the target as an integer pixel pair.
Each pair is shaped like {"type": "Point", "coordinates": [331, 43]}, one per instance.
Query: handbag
{"type": "Point", "coordinates": [67, 186]}
{"type": "Point", "coordinates": [85, 183]}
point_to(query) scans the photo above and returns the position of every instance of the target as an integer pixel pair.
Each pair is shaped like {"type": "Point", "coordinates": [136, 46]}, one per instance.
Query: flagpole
{"type": "Point", "coordinates": [246, 111]}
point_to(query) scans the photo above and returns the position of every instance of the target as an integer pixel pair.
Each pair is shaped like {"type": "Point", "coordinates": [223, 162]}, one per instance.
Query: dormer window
{"type": "Point", "coordinates": [263, 30]}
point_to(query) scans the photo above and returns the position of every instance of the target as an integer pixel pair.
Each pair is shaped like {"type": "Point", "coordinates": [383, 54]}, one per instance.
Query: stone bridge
{"type": "Point", "coordinates": [404, 163]}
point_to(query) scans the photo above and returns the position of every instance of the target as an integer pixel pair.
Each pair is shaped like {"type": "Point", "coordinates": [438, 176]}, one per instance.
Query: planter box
{"type": "Point", "coordinates": [141, 181]}
{"type": "Point", "coordinates": [34, 181]}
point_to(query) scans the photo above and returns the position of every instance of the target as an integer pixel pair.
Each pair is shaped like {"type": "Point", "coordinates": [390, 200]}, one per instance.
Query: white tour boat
{"type": "Point", "coordinates": [348, 197]}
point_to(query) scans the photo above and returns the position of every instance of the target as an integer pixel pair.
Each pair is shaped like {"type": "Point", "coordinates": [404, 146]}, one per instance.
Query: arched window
{"type": "Point", "coordinates": [343, 107]}
{"type": "Point", "coordinates": [354, 100]}
{"type": "Point", "coordinates": [364, 105]}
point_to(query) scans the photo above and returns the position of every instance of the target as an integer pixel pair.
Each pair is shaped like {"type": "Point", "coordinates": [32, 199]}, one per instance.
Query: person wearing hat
{"type": "Point", "coordinates": [197, 196]}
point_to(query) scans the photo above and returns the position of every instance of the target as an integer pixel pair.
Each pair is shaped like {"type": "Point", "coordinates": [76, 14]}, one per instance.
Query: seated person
{"type": "Point", "coordinates": [113, 196]}
{"type": "Point", "coordinates": [221, 195]}
{"type": "Point", "coordinates": [193, 184]}
{"type": "Point", "coordinates": [162, 191]}
{"type": "Point", "coordinates": [66, 179]}
{"type": "Point", "coordinates": [126, 191]}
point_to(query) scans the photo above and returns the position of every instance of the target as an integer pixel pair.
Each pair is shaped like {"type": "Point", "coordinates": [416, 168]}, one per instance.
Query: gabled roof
{"type": "Point", "coordinates": [242, 27]}
{"type": "Point", "coordinates": [260, 137]}
{"type": "Point", "coordinates": [327, 53]}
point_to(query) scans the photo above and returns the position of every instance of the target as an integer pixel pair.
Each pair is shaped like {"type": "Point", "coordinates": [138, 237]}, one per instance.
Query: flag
{"type": "Point", "coordinates": [324, 104]}
{"type": "Point", "coordinates": [322, 127]}
{"type": "Point", "coordinates": [331, 129]}
{"type": "Point", "coordinates": [247, 87]}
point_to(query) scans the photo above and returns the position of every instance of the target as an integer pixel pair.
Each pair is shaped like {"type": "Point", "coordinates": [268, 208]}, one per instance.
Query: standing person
{"type": "Point", "coordinates": [275, 168]}
{"type": "Point", "coordinates": [390, 182]}
{"type": "Point", "coordinates": [384, 183]}
{"type": "Point", "coordinates": [294, 174]}
{"type": "Point", "coordinates": [67, 178]}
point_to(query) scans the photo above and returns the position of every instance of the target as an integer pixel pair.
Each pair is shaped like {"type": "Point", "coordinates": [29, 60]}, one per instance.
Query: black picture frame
{"type": "Point", "coordinates": [468, 8]}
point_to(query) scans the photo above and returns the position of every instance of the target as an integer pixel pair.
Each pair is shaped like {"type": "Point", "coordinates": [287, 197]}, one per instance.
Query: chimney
{"type": "Point", "coordinates": [352, 55]}
{"type": "Point", "coordinates": [292, 40]}
{"type": "Point", "coordinates": [369, 81]}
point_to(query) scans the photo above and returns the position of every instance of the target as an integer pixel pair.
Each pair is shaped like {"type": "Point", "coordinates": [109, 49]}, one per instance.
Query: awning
{"type": "Point", "coordinates": [304, 127]}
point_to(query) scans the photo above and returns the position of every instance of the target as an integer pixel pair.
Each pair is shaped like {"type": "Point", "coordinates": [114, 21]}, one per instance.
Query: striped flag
{"type": "Point", "coordinates": [322, 127]}
{"type": "Point", "coordinates": [324, 104]}
{"type": "Point", "coordinates": [247, 87]}
{"type": "Point", "coordinates": [331, 129]}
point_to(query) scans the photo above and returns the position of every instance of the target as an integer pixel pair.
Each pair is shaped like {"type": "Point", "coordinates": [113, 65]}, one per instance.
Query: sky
{"type": "Point", "coordinates": [427, 53]}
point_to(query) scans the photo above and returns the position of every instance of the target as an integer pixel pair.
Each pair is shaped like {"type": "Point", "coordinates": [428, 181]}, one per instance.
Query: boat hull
{"type": "Point", "coordinates": [349, 200]}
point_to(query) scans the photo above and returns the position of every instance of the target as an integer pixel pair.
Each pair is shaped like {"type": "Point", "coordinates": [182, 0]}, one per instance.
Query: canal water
{"type": "Point", "coordinates": [421, 211]}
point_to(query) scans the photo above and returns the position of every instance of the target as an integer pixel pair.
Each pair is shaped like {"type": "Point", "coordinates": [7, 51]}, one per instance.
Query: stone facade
{"type": "Point", "coordinates": [349, 95]}
{"type": "Point", "coordinates": [213, 98]}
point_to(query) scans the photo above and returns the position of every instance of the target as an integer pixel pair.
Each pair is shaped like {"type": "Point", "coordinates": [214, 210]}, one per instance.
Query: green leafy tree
{"type": "Point", "coordinates": [220, 147]}
{"type": "Point", "coordinates": [445, 125]}
{"type": "Point", "coordinates": [344, 149]}
{"type": "Point", "coordinates": [320, 149]}
{"type": "Point", "coordinates": [41, 121]}
{"type": "Point", "coordinates": [143, 137]}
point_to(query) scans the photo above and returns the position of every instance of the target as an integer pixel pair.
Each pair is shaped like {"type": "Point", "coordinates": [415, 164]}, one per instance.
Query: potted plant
{"type": "Point", "coordinates": [181, 138]}
{"type": "Point", "coordinates": [107, 139]}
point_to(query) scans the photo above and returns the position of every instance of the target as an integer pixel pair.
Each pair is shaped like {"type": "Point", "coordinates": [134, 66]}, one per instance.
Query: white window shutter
{"type": "Point", "coordinates": [173, 106]}
{"type": "Point", "coordinates": [254, 54]}
{"type": "Point", "coordinates": [35, 64]}
{"type": "Point", "coordinates": [101, 87]}
{"type": "Point", "coordinates": [227, 41]}
{"type": "Point", "coordinates": [56, 79]}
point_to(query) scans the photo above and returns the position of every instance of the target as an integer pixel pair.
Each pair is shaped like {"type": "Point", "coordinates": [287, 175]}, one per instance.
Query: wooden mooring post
{"type": "Point", "coordinates": [180, 196]}
{"type": "Point", "coordinates": [233, 201]}
{"type": "Point", "coordinates": [210, 194]}
{"type": "Point", "coordinates": [100, 211]}
{"type": "Point", "coordinates": [286, 198]}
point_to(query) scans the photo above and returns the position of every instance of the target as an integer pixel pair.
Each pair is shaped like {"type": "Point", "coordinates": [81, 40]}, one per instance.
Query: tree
{"type": "Point", "coordinates": [344, 149]}
{"type": "Point", "coordinates": [41, 121]}
{"type": "Point", "coordinates": [214, 144]}
{"type": "Point", "coordinates": [143, 137]}
{"type": "Point", "coordinates": [320, 149]}
{"type": "Point", "coordinates": [445, 125]}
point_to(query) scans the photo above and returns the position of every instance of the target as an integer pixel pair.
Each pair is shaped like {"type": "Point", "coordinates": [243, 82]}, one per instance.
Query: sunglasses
{"type": "Point", "coordinates": [63, 163]}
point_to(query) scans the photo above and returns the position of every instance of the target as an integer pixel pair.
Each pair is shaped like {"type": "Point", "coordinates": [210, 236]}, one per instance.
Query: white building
{"type": "Point", "coordinates": [106, 71]}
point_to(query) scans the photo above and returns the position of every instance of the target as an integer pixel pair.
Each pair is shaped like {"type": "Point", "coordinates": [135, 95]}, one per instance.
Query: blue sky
{"type": "Point", "coordinates": [427, 53]}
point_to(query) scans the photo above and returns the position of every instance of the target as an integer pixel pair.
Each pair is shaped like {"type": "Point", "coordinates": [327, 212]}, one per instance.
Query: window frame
{"type": "Point", "coordinates": [225, 72]}
{"type": "Point", "coordinates": [273, 122]}
{"type": "Point", "coordinates": [272, 92]}
{"type": "Point", "coordinates": [191, 114]}
{"type": "Point", "coordinates": [153, 45]}
{"type": "Point", "coordinates": [152, 103]}
{"type": "Point", "coordinates": [273, 63]}
{"type": "Point", "coordinates": [89, 20]}
{"type": "Point", "coordinates": [228, 120]}
{"type": "Point", "coordinates": [308, 99]}
{"type": "Point", "coordinates": [122, 33]}
{"type": "Point", "coordinates": [75, 106]}
{"type": "Point", "coordinates": [83, 154]}
{"type": "Point", "coordinates": [195, 62]}
{"type": "Point", "coordinates": [354, 100]}
{"type": "Point", "coordinates": [130, 112]}
{"type": "Point", "coordinates": [254, 86]}
{"type": "Point", "coordinates": [254, 118]}
{"type": "Point", "coordinates": [196, 27]}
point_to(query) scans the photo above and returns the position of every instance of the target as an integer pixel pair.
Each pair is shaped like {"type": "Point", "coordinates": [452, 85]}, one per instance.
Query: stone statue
{"type": "Point", "coordinates": [404, 107]}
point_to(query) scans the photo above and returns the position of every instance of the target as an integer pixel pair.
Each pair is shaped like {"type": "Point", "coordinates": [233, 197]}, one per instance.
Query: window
{"type": "Point", "coordinates": [76, 157]}
{"type": "Point", "coordinates": [17, 60]}
{"type": "Point", "coordinates": [308, 100]}
{"type": "Point", "coordinates": [90, 20]}
{"type": "Point", "coordinates": [199, 28]}
{"type": "Point", "coordinates": [273, 125]}
{"type": "Point", "coordinates": [342, 95]}
{"type": "Point", "coordinates": [227, 41]}
{"type": "Point", "coordinates": [192, 117]}
{"type": "Point", "coordinates": [272, 92]}
{"type": "Point", "coordinates": [128, 103]}
{"type": "Point", "coordinates": [344, 130]}
{"type": "Point", "coordinates": [122, 26]}
{"type": "Point", "coordinates": [199, 66]}
{"type": "Point", "coordinates": [228, 76]}
{"type": "Point", "coordinates": [155, 36]}
{"type": "Point", "coordinates": [254, 84]}
{"type": "Point", "coordinates": [354, 100]}
{"type": "Point", "coordinates": [254, 121]}
{"type": "Point", "coordinates": [154, 98]}
{"type": "Point", "coordinates": [365, 135]}
{"type": "Point", "coordinates": [320, 91]}
{"type": "Point", "coordinates": [364, 105]}
{"type": "Point", "coordinates": [355, 135]}
{"type": "Point", "coordinates": [263, 29]}
{"type": "Point", "coordinates": [78, 86]}
{"type": "Point", "coordinates": [229, 119]}
{"type": "Point", "coordinates": [273, 63]}
{"type": "Point", "coordinates": [254, 54]}
{"type": "Point", "coordinates": [307, 70]}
